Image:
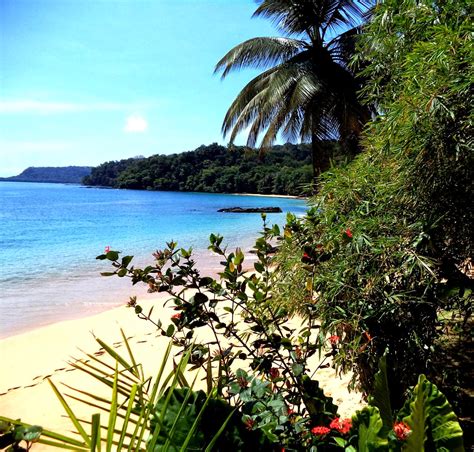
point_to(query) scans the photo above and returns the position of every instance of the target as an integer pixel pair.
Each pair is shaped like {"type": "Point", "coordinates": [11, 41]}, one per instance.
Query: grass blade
{"type": "Point", "coordinates": [71, 414]}
{"type": "Point", "coordinates": [95, 433]}
{"type": "Point", "coordinates": [127, 417]}
{"type": "Point", "coordinates": [132, 357]}
{"type": "Point", "coordinates": [190, 434]}
{"type": "Point", "coordinates": [113, 412]}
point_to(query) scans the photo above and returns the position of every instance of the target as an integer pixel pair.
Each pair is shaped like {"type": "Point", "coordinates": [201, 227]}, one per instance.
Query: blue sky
{"type": "Point", "coordinates": [87, 81]}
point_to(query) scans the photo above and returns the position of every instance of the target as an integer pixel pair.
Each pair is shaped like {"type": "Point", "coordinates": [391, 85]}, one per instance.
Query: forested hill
{"type": "Point", "coordinates": [65, 175]}
{"type": "Point", "coordinates": [285, 169]}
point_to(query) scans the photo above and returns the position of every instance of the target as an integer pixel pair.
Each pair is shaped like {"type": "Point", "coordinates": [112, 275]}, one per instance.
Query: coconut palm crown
{"type": "Point", "coordinates": [307, 91]}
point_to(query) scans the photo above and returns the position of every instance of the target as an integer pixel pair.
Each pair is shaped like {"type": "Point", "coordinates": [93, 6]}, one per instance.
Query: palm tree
{"type": "Point", "coordinates": [307, 92]}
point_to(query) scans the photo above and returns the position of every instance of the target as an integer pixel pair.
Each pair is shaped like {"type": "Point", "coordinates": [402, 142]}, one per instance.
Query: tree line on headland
{"type": "Point", "coordinates": [284, 169]}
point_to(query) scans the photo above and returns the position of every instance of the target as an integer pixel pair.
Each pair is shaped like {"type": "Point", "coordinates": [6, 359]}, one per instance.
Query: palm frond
{"type": "Point", "coordinates": [259, 53]}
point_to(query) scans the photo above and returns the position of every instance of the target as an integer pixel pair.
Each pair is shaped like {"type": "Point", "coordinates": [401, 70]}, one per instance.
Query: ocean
{"type": "Point", "coordinates": [50, 235]}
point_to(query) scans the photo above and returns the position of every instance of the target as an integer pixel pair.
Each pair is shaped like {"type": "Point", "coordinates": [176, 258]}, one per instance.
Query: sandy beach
{"type": "Point", "coordinates": [29, 358]}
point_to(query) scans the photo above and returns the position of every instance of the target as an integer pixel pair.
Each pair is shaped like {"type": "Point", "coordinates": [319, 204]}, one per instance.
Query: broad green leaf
{"type": "Point", "coordinates": [370, 430]}
{"type": "Point", "coordinates": [381, 395]}
{"type": "Point", "coordinates": [431, 416]}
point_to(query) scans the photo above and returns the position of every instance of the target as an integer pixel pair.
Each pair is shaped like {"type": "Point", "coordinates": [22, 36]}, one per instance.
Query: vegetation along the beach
{"type": "Point", "coordinates": [375, 279]}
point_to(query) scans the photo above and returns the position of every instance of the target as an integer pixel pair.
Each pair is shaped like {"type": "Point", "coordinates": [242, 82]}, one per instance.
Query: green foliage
{"type": "Point", "coordinates": [370, 430]}
{"type": "Point", "coordinates": [282, 170]}
{"type": "Point", "coordinates": [278, 398]}
{"type": "Point", "coordinates": [431, 417]}
{"type": "Point", "coordinates": [137, 409]}
{"type": "Point", "coordinates": [184, 408]}
{"type": "Point", "coordinates": [12, 435]}
{"type": "Point", "coordinates": [380, 397]}
{"type": "Point", "coordinates": [382, 255]}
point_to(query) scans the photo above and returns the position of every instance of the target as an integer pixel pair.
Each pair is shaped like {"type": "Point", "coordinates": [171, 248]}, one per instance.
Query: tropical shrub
{"type": "Point", "coordinates": [273, 386]}
{"type": "Point", "coordinates": [264, 370]}
{"type": "Point", "coordinates": [382, 255]}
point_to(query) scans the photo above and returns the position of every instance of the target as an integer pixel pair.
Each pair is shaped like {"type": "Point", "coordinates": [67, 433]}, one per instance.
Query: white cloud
{"type": "Point", "coordinates": [135, 124]}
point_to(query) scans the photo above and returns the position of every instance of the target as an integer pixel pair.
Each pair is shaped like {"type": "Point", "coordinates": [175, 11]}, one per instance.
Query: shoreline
{"type": "Point", "coordinates": [206, 262]}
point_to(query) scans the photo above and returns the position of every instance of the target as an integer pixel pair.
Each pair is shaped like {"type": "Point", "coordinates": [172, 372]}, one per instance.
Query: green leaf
{"type": "Point", "coordinates": [126, 260]}
{"type": "Point", "coordinates": [112, 412]}
{"type": "Point", "coordinates": [107, 273]}
{"type": "Point", "coordinates": [71, 414]}
{"type": "Point", "coordinates": [112, 255]}
{"type": "Point", "coordinates": [95, 433]}
{"type": "Point", "coordinates": [268, 429]}
{"type": "Point", "coordinates": [32, 433]}
{"type": "Point", "coordinates": [200, 298]}
{"type": "Point", "coordinates": [432, 416]}
{"type": "Point", "coordinates": [341, 442]}
{"type": "Point", "coordinates": [381, 395]}
{"type": "Point", "coordinates": [122, 272]}
{"type": "Point", "coordinates": [205, 281]}
{"type": "Point", "coordinates": [297, 369]}
{"type": "Point", "coordinates": [170, 330]}
{"type": "Point", "coordinates": [370, 430]}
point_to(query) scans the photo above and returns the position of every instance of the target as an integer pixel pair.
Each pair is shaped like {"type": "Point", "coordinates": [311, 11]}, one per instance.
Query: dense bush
{"type": "Point", "coordinates": [380, 256]}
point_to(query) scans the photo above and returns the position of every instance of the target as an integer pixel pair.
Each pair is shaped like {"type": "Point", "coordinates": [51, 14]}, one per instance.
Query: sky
{"type": "Point", "coordinates": [87, 81]}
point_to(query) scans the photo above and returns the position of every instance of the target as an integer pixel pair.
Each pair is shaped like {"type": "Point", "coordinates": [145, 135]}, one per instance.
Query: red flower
{"type": "Point", "coordinates": [402, 430]}
{"type": "Point", "coordinates": [107, 249]}
{"type": "Point", "coordinates": [341, 425]}
{"type": "Point", "coordinates": [334, 339]}
{"type": "Point", "coordinates": [348, 233]}
{"type": "Point", "coordinates": [274, 373]}
{"type": "Point", "coordinates": [176, 316]}
{"type": "Point", "coordinates": [320, 430]}
{"type": "Point", "coordinates": [249, 423]}
{"type": "Point", "coordinates": [298, 352]}
{"type": "Point", "coordinates": [242, 382]}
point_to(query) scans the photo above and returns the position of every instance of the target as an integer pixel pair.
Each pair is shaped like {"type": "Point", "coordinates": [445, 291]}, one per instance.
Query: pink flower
{"type": "Point", "coordinates": [107, 249]}
{"type": "Point", "coordinates": [176, 316]}
{"type": "Point", "coordinates": [341, 425]}
{"type": "Point", "coordinates": [348, 233]}
{"type": "Point", "coordinates": [320, 430]}
{"type": "Point", "coordinates": [334, 339]}
{"type": "Point", "coordinates": [402, 430]}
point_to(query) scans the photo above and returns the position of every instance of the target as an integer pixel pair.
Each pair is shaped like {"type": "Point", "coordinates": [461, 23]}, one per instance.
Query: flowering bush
{"type": "Point", "coordinates": [258, 362]}
{"type": "Point", "coordinates": [256, 359]}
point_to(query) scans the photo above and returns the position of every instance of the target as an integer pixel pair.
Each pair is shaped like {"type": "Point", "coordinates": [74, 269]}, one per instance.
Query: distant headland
{"type": "Point", "coordinates": [60, 175]}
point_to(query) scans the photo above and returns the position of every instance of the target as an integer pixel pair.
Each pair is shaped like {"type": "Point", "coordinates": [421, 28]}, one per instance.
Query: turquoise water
{"type": "Point", "coordinates": [51, 233]}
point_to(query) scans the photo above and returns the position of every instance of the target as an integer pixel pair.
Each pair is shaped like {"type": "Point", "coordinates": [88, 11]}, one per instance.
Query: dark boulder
{"type": "Point", "coordinates": [251, 210]}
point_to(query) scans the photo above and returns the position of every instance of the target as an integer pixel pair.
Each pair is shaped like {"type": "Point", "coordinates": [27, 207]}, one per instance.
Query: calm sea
{"type": "Point", "coordinates": [51, 233]}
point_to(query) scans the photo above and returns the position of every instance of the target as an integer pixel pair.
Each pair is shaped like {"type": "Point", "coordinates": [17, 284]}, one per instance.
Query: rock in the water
{"type": "Point", "coordinates": [251, 210]}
